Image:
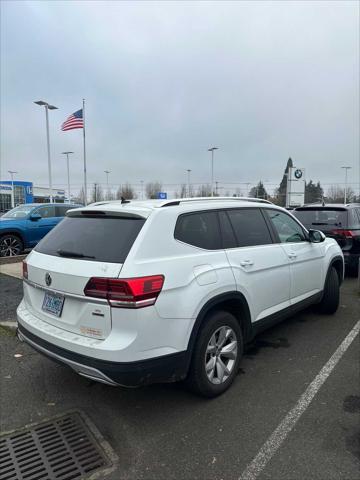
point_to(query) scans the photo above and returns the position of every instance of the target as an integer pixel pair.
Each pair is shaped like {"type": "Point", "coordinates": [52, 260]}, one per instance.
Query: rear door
{"type": "Point", "coordinates": [306, 258]}
{"type": "Point", "coordinates": [261, 267]}
{"type": "Point", "coordinates": [39, 228]}
{"type": "Point", "coordinates": [78, 248]}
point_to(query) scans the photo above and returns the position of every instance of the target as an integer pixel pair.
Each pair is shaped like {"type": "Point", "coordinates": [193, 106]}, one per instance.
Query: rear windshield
{"type": "Point", "coordinates": [314, 217]}
{"type": "Point", "coordinates": [106, 239]}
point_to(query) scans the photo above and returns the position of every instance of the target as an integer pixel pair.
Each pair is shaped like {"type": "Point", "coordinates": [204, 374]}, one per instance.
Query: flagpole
{"type": "Point", "coordinates": [85, 181]}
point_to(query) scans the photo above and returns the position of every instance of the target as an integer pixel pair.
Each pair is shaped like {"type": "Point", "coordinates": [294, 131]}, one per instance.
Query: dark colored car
{"type": "Point", "coordinates": [341, 222]}
{"type": "Point", "coordinates": [24, 226]}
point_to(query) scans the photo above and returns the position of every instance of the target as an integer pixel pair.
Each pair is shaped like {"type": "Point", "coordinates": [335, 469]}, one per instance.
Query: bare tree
{"type": "Point", "coordinates": [80, 198]}
{"type": "Point", "coordinates": [126, 191]}
{"type": "Point", "coordinates": [336, 194]}
{"type": "Point", "coordinates": [204, 191]}
{"type": "Point", "coordinates": [152, 189]}
{"type": "Point", "coordinates": [109, 195]}
{"type": "Point", "coordinates": [183, 191]}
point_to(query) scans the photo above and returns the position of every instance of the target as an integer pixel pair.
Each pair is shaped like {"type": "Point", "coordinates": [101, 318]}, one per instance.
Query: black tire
{"type": "Point", "coordinates": [10, 245]}
{"type": "Point", "coordinates": [197, 379]}
{"type": "Point", "coordinates": [331, 297]}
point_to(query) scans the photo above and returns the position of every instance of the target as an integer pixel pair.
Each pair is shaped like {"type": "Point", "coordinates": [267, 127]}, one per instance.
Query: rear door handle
{"type": "Point", "coordinates": [292, 255]}
{"type": "Point", "coordinates": [246, 263]}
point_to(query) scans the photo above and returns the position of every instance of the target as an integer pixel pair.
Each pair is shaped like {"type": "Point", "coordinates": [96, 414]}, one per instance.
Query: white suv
{"type": "Point", "coordinates": [130, 293]}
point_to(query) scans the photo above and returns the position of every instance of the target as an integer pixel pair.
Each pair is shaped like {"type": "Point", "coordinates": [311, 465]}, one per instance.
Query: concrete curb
{"type": "Point", "coordinates": [15, 259]}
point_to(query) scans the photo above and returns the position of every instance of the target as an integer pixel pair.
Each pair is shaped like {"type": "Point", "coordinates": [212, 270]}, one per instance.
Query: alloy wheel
{"type": "Point", "coordinates": [221, 354]}
{"type": "Point", "coordinates": [9, 246]}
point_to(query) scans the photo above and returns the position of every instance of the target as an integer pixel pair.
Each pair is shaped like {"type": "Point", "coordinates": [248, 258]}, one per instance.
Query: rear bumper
{"type": "Point", "coordinates": [168, 368]}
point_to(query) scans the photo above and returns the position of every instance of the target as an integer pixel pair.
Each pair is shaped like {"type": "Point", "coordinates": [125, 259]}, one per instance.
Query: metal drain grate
{"type": "Point", "coordinates": [61, 449]}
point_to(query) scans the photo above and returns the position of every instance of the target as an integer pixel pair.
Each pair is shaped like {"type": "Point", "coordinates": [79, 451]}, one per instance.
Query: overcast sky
{"type": "Point", "coordinates": [164, 81]}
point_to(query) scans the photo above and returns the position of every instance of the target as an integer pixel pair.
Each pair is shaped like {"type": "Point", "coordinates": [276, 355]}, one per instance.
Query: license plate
{"type": "Point", "coordinates": [53, 304]}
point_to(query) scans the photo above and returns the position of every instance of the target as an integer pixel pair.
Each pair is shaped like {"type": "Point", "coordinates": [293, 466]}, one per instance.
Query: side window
{"type": "Point", "coordinates": [200, 229]}
{"type": "Point", "coordinates": [355, 218]}
{"type": "Point", "coordinates": [287, 228]}
{"type": "Point", "coordinates": [357, 210]}
{"type": "Point", "coordinates": [227, 232]}
{"type": "Point", "coordinates": [250, 227]}
{"type": "Point", "coordinates": [47, 211]}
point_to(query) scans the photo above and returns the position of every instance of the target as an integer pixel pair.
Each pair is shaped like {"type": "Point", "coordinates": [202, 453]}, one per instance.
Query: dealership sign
{"type": "Point", "coordinates": [295, 187]}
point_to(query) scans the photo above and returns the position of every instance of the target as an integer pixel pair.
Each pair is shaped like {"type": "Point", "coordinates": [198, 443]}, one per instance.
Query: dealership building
{"type": "Point", "coordinates": [26, 192]}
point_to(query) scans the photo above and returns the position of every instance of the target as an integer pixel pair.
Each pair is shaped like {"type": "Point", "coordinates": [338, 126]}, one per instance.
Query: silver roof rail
{"type": "Point", "coordinates": [178, 201]}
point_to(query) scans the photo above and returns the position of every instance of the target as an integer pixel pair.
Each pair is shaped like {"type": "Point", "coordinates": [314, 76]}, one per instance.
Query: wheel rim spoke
{"type": "Point", "coordinates": [230, 350]}
{"type": "Point", "coordinates": [210, 366]}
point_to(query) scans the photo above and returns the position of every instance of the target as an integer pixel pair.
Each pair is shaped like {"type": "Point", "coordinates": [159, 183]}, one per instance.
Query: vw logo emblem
{"type": "Point", "coordinates": [48, 279]}
{"type": "Point", "coordinates": [298, 173]}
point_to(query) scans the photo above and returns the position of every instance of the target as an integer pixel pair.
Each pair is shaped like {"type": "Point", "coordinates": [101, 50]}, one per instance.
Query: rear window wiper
{"type": "Point", "coordinates": [67, 253]}
{"type": "Point", "coordinates": [319, 223]}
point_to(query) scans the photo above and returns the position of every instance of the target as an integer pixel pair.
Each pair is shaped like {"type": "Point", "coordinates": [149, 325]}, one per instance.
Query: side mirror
{"type": "Point", "coordinates": [315, 236]}
{"type": "Point", "coordinates": [35, 216]}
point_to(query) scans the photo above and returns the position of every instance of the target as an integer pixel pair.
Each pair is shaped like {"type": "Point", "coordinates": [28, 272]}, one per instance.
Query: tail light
{"type": "Point", "coordinates": [126, 292]}
{"type": "Point", "coordinates": [24, 269]}
{"type": "Point", "coordinates": [344, 233]}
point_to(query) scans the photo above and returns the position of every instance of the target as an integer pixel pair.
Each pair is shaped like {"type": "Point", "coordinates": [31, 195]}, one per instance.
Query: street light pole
{"type": "Point", "coordinates": [212, 168]}
{"type": "Point", "coordinates": [188, 171]}
{"type": "Point", "coordinates": [68, 172]}
{"type": "Point", "coordinates": [47, 108]}
{"type": "Point", "coordinates": [345, 192]}
{"type": "Point", "coordinates": [12, 173]}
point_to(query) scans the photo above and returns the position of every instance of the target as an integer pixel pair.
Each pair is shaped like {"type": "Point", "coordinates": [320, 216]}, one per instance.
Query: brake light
{"type": "Point", "coordinates": [344, 233]}
{"type": "Point", "coordinates": [24, 269]}
{"type": "Point", "coordinates": [126, 292]}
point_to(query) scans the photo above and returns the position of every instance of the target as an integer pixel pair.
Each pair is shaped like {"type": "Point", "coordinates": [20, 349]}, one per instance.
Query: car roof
{"type": "Point", "coordinates": [144, 208]}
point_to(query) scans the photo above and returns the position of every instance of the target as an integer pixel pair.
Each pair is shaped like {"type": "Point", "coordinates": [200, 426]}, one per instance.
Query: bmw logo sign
{"type": "Point", "coordinates": [48, 279]}
{"type": "Point", "coordinates": [298, 173]}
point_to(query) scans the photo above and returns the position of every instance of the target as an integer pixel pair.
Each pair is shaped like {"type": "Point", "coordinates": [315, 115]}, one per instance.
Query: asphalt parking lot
{"type": "Point", "coordinates": [164, 432]}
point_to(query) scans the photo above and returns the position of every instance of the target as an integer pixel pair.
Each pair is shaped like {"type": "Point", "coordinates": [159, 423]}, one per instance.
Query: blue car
{"type": "Point", "coordinates": [24, 226]}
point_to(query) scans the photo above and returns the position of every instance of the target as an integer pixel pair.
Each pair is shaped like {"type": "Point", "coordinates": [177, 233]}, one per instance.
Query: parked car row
{"type": "Point", "coordinates": [131, 293]}
{"type": "Point", "coordinates": [23, 227]}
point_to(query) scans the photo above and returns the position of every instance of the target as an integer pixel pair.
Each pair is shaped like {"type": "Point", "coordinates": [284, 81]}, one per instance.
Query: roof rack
{"type": "Point", "coordinates": [214, 199]}
{"type": "Point", "coordinates": [177, 201]}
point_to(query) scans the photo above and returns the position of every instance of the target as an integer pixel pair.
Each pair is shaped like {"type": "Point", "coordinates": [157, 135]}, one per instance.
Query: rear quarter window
{"type": "Point", "coordinates": [105, 239]}
{"type": "Point", "coordinates": [200, 229]}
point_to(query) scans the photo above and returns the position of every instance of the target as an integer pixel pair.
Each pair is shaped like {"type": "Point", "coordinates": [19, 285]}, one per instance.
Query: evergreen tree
{"type": "Point", "coordinates": [313, 192]}
{"type": "Point", "coordinates": [281, 191]}
{"type": "Point", "coordinates": [258, 191]}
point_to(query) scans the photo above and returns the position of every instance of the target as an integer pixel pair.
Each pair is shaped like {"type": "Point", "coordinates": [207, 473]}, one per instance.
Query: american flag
{"type": "Point", "coordinates": [74, 121]}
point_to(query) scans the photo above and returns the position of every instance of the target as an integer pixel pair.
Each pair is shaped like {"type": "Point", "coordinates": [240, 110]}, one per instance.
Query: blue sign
{"type": "Point", "coordinates": [27, 188]}
{"type": "Point", "coordinates": [162, 195]}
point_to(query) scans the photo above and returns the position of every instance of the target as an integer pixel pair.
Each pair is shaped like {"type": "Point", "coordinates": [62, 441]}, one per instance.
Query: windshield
{"type": "Point", "coordinates": [99, 239]}
{"type": "Point", "coordinates": [21, 211]}
{"type": "Point", "coordinates": [314, 217]}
